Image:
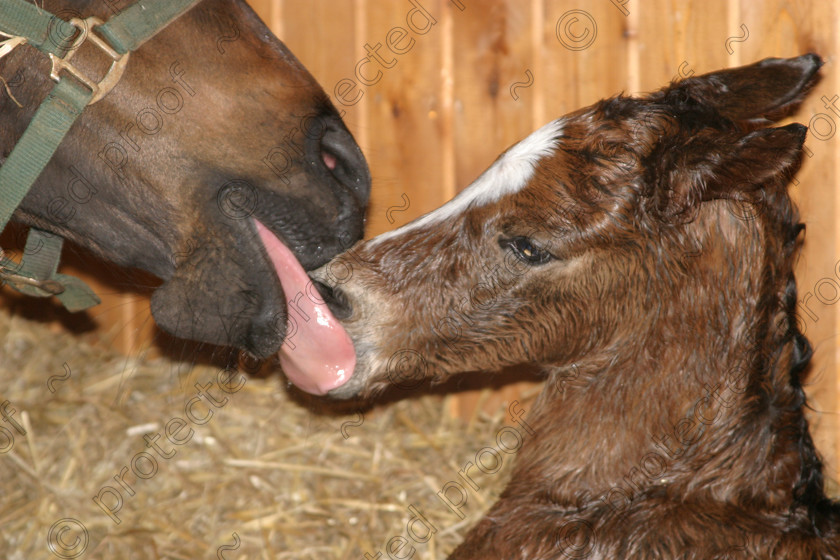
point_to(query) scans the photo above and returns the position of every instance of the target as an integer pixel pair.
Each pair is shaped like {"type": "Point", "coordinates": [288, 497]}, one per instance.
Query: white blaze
{"type": "Point", "coordinates": [508, 175]}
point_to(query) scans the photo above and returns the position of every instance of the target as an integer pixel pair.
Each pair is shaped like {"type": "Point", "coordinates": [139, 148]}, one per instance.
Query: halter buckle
{"type": "Point", "coordinates": [112, 77]}
{"type": "Point", "coordinates": [9, 274]}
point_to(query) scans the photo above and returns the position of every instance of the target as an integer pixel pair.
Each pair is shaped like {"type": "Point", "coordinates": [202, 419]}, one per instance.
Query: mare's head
{"type": "Point", "coordinates": [632, 219]}
{"type": "Point", "coordinates": [214, 127]}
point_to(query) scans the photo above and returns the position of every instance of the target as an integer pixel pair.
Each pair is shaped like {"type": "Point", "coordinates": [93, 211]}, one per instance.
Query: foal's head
{"type": "Point", "coordinates": [630, 216]}
{"type": "Point", "coordinates": [587, 234]}
{"type": "Point", "coordinates": [641, 252]}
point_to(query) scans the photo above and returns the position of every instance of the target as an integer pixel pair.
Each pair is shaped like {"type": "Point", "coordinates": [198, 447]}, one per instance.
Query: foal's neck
{"type": "Point", "coordinates": [691, 415]}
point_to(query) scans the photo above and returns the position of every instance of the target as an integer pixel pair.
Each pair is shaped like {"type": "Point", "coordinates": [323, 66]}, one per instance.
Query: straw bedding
{"type": "Point", "coordinates": [264, 477]}
{"type": "Point", "coordinates": [268, 476]}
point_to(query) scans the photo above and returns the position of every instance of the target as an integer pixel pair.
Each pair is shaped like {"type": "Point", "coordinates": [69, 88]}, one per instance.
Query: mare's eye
{"type": "Point", "coordinates": [525, 249]}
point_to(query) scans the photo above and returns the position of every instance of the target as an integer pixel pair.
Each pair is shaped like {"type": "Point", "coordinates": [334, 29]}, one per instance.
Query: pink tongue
{"type": "Point", "coordinates": [318, 355]}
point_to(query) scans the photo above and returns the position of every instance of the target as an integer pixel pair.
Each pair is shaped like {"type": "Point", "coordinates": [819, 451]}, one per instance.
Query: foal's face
{"type": "Point", "coordinates": [500, 274]}
{"type": "Point", "coordinates": [553, 253]}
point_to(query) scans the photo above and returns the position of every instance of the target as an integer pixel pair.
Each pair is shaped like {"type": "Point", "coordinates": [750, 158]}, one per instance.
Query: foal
{"type": "Point", "coordinates": [641, 251]}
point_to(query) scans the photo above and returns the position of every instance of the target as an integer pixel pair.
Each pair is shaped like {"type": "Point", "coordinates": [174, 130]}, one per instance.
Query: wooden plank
{"type": "Point", "coordinates": [328, 50]}
{"type": "Point", "coordinates": [407, 110]}
{"type": "Point", "coordinates": [780, 28]}
{"type": "Point", "coordinates": [680, 39]}
{"type": "Point", "coordinates": [573, 74]}
{"type": "Point", "coordinates": [493, 50]}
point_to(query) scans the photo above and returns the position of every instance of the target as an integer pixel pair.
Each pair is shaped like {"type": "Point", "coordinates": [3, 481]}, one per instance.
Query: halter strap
{"type": "Point", "coordinates": [22, 22]}
{"type": "Point", "coordinates": [39, 27]}
{"type": "Point", "coordinates": [138, 23]}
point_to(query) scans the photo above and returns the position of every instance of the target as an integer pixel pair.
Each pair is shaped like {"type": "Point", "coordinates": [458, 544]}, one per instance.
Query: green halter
{"type": "Point", "coordinates": [22, 23]}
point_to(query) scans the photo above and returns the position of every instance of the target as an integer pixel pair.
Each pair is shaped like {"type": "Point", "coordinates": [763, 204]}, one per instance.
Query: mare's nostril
{"type": "Point", "coordinates": [329, 160]}
{"type": "Point", "coordinates": [335, 299]}
{"type": "Point", "coordinates": [342, 156]}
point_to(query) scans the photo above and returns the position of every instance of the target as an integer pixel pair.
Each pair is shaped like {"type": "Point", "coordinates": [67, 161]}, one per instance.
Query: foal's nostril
{"type": "Point", "coordinates": [335, 299]}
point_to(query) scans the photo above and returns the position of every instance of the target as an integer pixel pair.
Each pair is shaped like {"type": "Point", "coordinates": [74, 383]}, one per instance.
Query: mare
{"type": "Point", "coordinates": [213, 128]}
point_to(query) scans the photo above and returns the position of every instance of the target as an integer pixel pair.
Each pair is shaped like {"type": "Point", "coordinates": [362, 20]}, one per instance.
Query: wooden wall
{"type": "Point", "coordinates": [488, 72]}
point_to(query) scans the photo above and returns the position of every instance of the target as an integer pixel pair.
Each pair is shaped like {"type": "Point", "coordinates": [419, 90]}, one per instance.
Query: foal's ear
{"type": "Point", "coordinates": [715, 164]}
{"type": "Point", "coordinates": [759, 93]}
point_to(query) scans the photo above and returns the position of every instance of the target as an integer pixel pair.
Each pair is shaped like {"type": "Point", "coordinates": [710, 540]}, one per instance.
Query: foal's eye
{"type": "Point", "coordinates": [525, 249]}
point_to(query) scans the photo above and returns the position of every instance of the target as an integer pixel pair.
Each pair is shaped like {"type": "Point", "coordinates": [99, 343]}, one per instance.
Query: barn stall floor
{"type": "Point", "coordinates": [263, 477]}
